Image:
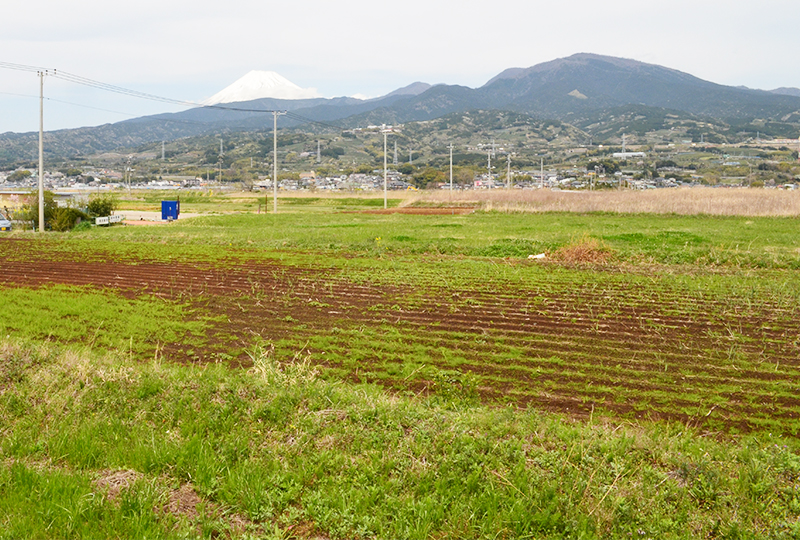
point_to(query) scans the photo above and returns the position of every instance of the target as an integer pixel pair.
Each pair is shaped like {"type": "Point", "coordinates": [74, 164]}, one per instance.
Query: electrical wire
{"type": "Point", "coordinates": [22, 67]}
{"type": "Point", "coordinates": [91, 83]}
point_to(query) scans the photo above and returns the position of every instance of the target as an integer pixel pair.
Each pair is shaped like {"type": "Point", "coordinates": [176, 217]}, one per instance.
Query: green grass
{"type": "Point", "coordinates": [102, 320]}
{"type": "Point", "coordinates": [281, 450]}
{"type": "Point", "coordinates": [662, 239]}
{"type": "Point", "coordinates": [210, 202]}
{"type": "Point", "coordinates": [274, 452]}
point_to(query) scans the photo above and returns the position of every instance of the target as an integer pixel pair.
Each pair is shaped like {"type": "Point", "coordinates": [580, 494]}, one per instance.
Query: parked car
{"type": "Point", "coordinates": [5, 225]}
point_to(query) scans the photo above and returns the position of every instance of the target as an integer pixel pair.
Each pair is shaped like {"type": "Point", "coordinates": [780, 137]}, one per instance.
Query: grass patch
{"type": "Point", "coordinates": [102, 320]}
{"type": "Point", "coordinates": [276, 451]}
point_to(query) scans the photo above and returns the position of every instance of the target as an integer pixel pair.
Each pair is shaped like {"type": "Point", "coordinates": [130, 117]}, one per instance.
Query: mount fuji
{"type": "Point", "coordinates": [259, 85]}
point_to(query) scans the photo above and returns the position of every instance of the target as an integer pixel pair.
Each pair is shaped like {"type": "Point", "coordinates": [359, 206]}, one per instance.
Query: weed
{"type": "Point", "coordinates": [298, 371]}
{"type": "Point", "coordinates": [584, 250]}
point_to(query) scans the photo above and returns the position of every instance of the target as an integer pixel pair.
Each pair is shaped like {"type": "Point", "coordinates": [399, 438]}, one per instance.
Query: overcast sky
{"type": "Point", "coordinates": [189, 50]}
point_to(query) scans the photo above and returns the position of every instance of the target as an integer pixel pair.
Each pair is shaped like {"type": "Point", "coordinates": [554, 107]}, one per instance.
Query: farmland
{"type": "Point", "coordinates": [673, 333]}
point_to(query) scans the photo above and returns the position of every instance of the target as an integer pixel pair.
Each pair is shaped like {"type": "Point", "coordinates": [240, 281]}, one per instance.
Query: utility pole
{"type": "Point", "coordinates": [319, 152]}
{"type": "Point", "coordinates": [41, 151]}
{"type": "Point", "coordinates": [395, 153]}
{"type": "Point", "coordinates": [128, 173]}
{"type": "Point", "coordinates": [221, 153]}
{"type": "Point", "coordinates": [385, 172]}
{"type": "Point", "coordinates": [451, 166]}
{"type": "Point", "coordinates": [275, 160]}
{"type": "Point", "coordinates": [508, 174]}
{"type": "Point", "coordinates": [489, 168]}
{"type": "Point", "coordinates": [541, 172]}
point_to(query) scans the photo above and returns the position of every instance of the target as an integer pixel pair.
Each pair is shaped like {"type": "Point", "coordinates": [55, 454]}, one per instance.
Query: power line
{"type": "Point", "coordinates": [91, 83]}
{"type": "Point", "coordinates": [21, 67]}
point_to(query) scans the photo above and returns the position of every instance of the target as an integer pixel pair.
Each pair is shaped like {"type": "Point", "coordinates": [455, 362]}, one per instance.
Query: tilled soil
{"type": "Point", "coordinates": [661, 357]}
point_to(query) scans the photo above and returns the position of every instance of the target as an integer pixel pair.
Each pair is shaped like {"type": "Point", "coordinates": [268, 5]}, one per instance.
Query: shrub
{"type": "Point", "coordinates": [101, 205]}
{"type": "Point", "coordinates": [65, 219]}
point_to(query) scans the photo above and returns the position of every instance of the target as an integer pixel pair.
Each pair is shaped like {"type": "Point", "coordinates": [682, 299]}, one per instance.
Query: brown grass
{"type": "Point", "coordinates": [585, 250]}
{"type": "Point", "coordinates": [114, 482]}
{"type": "Point", "coordinates": [687, 201]}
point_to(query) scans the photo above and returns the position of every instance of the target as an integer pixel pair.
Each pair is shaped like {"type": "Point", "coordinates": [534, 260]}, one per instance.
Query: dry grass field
{"type": "Point", "coordinates": [688, 201]}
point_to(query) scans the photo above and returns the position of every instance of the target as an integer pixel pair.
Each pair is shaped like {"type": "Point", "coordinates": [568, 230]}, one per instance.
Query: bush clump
{"type": "Point", "coordinates": [65, 219]}
{"type": "Point", "coordinates": [101, 205]}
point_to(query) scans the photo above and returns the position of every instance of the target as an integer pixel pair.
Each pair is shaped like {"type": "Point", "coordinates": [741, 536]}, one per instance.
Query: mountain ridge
{"type": "Point", "coordinates": [581, 88]}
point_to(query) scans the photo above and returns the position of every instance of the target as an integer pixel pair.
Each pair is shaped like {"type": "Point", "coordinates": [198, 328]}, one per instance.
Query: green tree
{"type": "Point", "coordinates": [17, 176]}
{"type": "Point", "coordinates": [101, 205]}
{"type": "Point", "coordinates": [428, 178]}
{"type": "Point", "coordinates": [406, 168]}
{"type": "Point", "coordinates": [30, 210]}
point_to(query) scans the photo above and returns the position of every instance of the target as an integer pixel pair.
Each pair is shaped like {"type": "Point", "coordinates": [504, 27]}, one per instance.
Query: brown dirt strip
{"type": "Point", "coordinates": [410, 210]}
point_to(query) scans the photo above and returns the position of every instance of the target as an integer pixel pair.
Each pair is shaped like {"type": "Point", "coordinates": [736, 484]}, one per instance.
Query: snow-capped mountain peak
{"type": "Point", "coordinates": [261, 84]}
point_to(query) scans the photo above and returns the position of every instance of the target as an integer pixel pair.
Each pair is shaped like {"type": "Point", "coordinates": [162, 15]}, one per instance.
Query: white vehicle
{"type": "Point", "coordinates": [5, 225]}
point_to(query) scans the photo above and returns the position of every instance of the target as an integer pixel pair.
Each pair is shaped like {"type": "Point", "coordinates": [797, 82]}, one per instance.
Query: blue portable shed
{"type": "Point", "coordinates": [170, 210]}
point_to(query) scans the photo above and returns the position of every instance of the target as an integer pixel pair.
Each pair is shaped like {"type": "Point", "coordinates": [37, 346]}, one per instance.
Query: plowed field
{"type": "Point", "coordinates": [722, 361]}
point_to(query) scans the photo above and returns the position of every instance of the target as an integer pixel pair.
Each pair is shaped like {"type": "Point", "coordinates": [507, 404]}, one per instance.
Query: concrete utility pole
{"type": "Point", "coordinates": [508, 173]}
{"type": "Point", "coordinates": [41, 151]}
{"type": "Point", "coordinates": [541, 173]}
{"type": "Point", "coordinates": [128, 173]}
{"type": "Point", "coordinates": [275, 160]}
{"type": "Point", "coordinates": [489, 168]}
{"type": "Point", "coordinates": [221, 153]}
{"type": "Point", "coordinates": [319, 152]}
{"type": "Point", "coordinates": [451, 166]}
{"type": "Point", "coordinates": [395, 153]}
{"type": "Point", "coordinates": [385, 173]}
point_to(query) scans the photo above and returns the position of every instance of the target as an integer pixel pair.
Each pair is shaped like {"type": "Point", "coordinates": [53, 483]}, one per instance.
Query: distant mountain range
{"type": "Point", "coordinates": [583, 89]}
{"type": "Point", "coordinates": [787, 91]}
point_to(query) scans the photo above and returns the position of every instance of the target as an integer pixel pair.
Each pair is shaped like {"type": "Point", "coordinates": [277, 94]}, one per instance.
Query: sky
{"type": "Point", "coordinates": [189, 50]}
